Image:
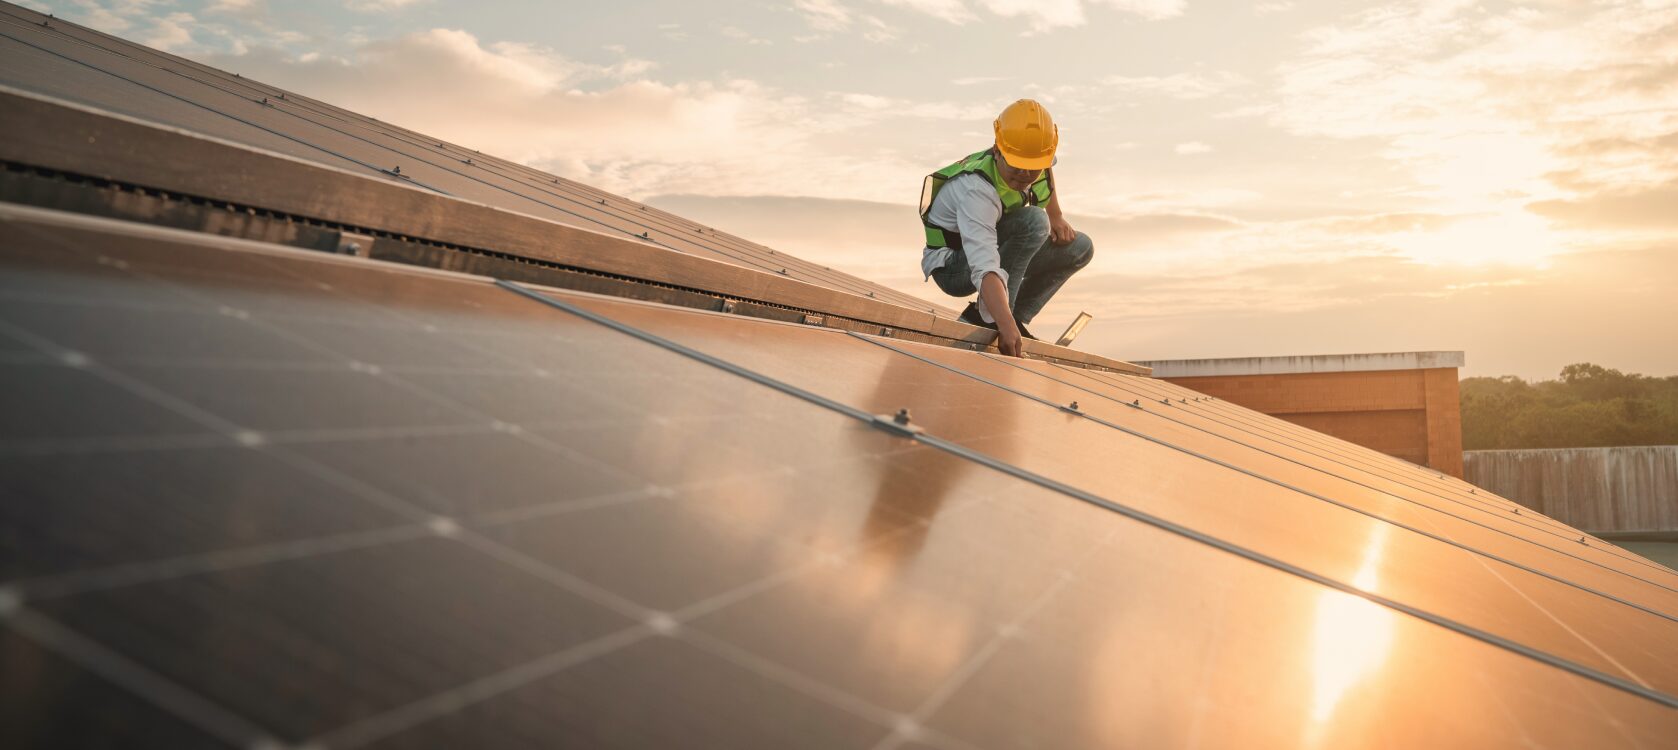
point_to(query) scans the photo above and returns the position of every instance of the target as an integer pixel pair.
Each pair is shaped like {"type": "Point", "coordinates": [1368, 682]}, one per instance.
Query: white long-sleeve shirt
{"type": "Point", "coordinates": [969, 205]}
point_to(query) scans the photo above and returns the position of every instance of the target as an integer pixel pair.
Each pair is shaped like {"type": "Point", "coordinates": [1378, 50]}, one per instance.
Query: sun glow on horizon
{"type": "Point", "coordinates": [1513, 238]}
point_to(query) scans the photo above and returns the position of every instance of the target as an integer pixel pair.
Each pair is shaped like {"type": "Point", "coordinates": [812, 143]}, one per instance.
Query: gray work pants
{"type": "Point", "coordinates": [1036, 267]}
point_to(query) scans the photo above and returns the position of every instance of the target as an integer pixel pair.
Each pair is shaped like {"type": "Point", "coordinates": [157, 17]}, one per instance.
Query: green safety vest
{"type": "Point", "coordinates": [983, 162]}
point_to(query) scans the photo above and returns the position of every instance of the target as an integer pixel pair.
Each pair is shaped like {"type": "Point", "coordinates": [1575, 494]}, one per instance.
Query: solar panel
{"type": "Point", "coordinates": [767, 571]}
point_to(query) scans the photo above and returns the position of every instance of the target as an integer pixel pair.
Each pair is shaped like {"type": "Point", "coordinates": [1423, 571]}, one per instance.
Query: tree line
{"type": "Point", "coordinates": [1589, 406]}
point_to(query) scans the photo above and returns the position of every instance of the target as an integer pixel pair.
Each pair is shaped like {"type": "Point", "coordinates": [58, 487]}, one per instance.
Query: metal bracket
{"type": "Point", "coordinates": [350, 243]}
{"type": "Point", "coordinates": [897, 424]}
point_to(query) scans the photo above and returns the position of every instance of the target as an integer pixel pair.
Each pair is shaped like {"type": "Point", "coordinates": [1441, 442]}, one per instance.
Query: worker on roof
{"type": "Point", "coordinates": [994, 226]}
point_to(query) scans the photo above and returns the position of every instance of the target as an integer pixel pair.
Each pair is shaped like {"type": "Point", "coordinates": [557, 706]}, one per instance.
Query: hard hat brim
{"type": "Point", "coordinates": [1032, 163]}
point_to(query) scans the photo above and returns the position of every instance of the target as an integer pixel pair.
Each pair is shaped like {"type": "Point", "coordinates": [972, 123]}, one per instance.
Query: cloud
{"type": "Point", "coordinates": [616, 125]}
{"type": "Point", "coordinates": [381, 6]}
{"type": "Point", "coordinates": [237, 7]}
{"type": "Point", "coordinates": [1192, 147]}
{"type": "Point", "coordinates": [741, 35]}
{"type": "Point", "coordinates": [1654, 208]}
{"type": "Point", "coordinates": [952, 11]}
{"type": "Point", "coordinates": [977, 80]}
{"type": "Point", "coordinates": [833, 16]}
{"type": "Point", "coordinates": [170, 32]}
{"type": "Point", "coordinates": [1038, 16]}
{"type": "Point", "coordinates": [1479, 105]}
{"type": "Point", "coordinates": [1176, 86]}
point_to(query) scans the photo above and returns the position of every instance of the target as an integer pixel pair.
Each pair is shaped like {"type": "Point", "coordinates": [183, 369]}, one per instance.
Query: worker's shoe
{"type": "Point", "coordinates": [971, 317]}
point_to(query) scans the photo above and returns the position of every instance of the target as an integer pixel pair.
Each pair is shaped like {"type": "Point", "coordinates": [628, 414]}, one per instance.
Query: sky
{"type": "Point", "coordinates": [1259, 178]}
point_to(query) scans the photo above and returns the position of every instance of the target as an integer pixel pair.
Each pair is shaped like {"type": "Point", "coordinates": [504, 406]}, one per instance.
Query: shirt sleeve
{"type": "Point", "coordinates": [978, 209]}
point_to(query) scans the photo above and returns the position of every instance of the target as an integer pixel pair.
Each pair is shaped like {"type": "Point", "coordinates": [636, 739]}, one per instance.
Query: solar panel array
{"type": "Point", "coordinates": [259, 497]}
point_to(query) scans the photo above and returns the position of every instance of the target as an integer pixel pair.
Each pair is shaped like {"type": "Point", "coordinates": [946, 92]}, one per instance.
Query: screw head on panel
{"type": "Point", "coordinates": [901, 417]}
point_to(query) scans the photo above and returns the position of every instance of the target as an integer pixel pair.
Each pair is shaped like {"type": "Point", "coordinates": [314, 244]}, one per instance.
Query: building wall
{"type": "Point", "coordinates": [1613, 490]}
{"type": "Point", "coordinates": [1414, 414]}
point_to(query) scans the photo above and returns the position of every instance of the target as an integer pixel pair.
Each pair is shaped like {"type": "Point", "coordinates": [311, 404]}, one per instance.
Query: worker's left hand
{"type": "Point", "coordinates": [1060, 232]}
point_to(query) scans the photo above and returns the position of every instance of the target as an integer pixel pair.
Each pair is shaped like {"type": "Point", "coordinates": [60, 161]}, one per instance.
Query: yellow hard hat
{"type": "Point", "coordinates": [1026, 135]}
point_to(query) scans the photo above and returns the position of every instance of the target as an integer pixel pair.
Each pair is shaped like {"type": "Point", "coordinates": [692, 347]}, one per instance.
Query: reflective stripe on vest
{"type": "Point", "coordinates": [984, 163]}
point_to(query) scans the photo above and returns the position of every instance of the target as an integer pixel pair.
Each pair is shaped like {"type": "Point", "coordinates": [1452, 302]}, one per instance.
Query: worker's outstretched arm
{"type": "Point", "coordinates": [993, 294]}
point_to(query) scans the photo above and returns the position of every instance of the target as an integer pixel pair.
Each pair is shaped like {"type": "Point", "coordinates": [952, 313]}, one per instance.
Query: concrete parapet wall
{"type": "Point", "coordinates": [1613, 490]}
{"type": "Point", "coordinates": [1199, 368]}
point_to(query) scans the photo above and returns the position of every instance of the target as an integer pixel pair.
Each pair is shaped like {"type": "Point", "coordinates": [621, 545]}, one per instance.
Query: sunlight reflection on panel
{"type": "Point", "coordinates": [1351, 639]}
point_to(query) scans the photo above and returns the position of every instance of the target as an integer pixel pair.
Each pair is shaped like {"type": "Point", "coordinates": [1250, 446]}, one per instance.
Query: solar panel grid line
{"type": "Point", "coordinates": [665, 624]}
{"type": "Point", "coordinates": [1329, 448]}
{"type": "Point", "coordinates": [151, 571]}
{"type": "Point", "coordinates": [1318, 496]}
{"type": "Point", "coordinates": [243, 121]}
{"type": "Point", "coordinates": [1622, 559]}
{"type": "Point", "coordinates": [485, 688]}
{"type": "Point", "coordinates": [1259, 424]}
{"type": "Point", "coordinates": [1563, 543]}
{"type": "Point", "coordinates": [1345, 448]}
{"type": "Point", "coordinates": [243, 434]}
{"type": "Point", "coordinates": [911, 726]}
{"type": "Point", "coordinates": [109, 444]}
{"type": "Point", "coordinates": [708, 359]}
{"type": "Point", "coordinates": [1170, 415]}
{"type": "Point", "coordinates": [841, 280]}
{"type": "Point", "coordinates": [1127, 511]}
{"type": "Point", "coordinates": [1424, 478]}
{"type": "Point", "coordinates": [165, 694]}
{"type": "Point", "coordinates": [837, 281]}
{"type": "Point", "coordinates": [1495, 506]}
{"type": "Point", "coordinates": [1562, 623]}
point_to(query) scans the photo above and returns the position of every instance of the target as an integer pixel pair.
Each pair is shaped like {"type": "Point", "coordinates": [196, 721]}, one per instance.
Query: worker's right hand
{"type": "Point", "coordinates": [1008, 338]}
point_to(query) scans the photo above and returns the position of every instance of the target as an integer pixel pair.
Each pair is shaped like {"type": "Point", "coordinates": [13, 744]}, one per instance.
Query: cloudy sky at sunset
{"type": "Point", "coordinates": [1260, 178]}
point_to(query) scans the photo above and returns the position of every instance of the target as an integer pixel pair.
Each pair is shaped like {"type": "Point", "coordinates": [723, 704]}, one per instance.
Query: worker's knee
{"type": "Point", "coordinates": [1081, 250]}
